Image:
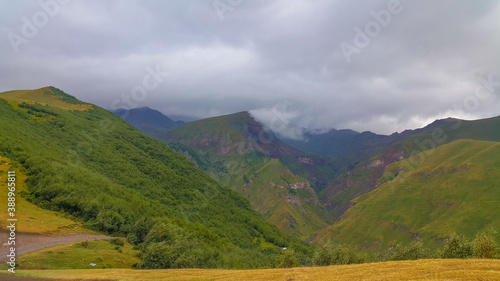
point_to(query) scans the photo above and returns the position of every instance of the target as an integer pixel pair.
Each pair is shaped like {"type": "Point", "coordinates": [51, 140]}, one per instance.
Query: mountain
{"type": "Point", "coordinates": [363, 157]}
{"type": "Point", "coordinates": [347, 148]}
{"type": "Point", "coordinates": [88, 163]}
{"type": "Point", "coordinates": [455, 189]}
{"type": "Point", "coordinates": [151, 122]}
{"type": "Point", "coordinates": [276, 178]}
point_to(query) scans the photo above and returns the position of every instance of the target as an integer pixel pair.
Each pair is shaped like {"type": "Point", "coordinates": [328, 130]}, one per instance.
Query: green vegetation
{"type": "Point", "coordinates": [31, 218]}
{"type": "Point", "coordinates": [360, 158]}
{"type": "Point", "coordinates": [454, 190]}
{"type": "Point", "coordinates": [94, 166]}
{"type": "Point", "coordinates": [414, 251]}
{"type": "Point", "coordinates": [288, 259]}
{"type": "Point", "coordinates": [485, 247]}
{"type": "Point", "coordinates": [228, 148]}
{"type": "Point", "coordinates": [283, 198]}
{"type": "Point", "coordinates": [101, 253]}
{"type": "Point", "coordinates": [46, 96]}
{"type": "Point", "coordinates": [457, 247]}
{"type": "Point", "coordinates": [331, 254]}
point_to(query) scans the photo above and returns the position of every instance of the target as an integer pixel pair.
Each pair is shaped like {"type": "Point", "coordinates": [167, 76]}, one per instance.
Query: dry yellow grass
{"type": "Point", "coordinates": [41, 96]}
{"type": "Point", "coordinates": [401, 270]}
{"type": "Point", "coordinates": [31, 218]}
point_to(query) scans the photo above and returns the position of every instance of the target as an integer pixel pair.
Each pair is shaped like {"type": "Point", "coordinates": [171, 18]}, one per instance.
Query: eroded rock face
{"type": "Point", "coordinates": [306, 160]}
{"type": "Point", "coordinates": [299, 185]}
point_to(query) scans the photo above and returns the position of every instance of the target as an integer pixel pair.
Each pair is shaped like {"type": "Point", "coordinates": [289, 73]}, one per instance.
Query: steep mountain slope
{"type": "Point", "coordinates": [236, 150]}
{"type": "Point", "coordinates": [364, 176]}
{"type": "Point", "coordinates": [85, 161]}
{"type": "Point", "coordinates": [345, 147]}
{"type": "Point", "coordinates": [151, 122]}
{"type": "Point", "coordinates": [455, 188]}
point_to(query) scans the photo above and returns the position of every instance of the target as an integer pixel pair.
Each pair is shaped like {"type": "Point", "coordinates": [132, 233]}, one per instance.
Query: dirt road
{"type": "Point", "coordinates": [31, 242]}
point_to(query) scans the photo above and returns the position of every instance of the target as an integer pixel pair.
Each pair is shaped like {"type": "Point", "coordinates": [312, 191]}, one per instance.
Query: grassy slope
{"type": "Point", "coordinates": [401, 270]}
{"type": "Point", "coordinates": [448, 130]}
{"type": "Point", "coordinates": [79, 256]}
{"type": "Point", "coordinates": [46, 96]}
{"type": "Point", "coordinates": [229, 128]}
{"type": "Point", "coordinates": [363, 178]}
{"type": "Point", "coordinates": [454, 190]}
{"type": "Point", "coordinates": [93, 165]}
{"type": "Point", "coordinates": [31, 218]}
{"type": "Point", "coordinates": [269, 186]}
{"type": "Point", "coordinates": [222, 146]}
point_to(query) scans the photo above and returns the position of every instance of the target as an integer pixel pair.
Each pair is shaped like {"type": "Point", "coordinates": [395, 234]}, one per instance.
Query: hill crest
{"type": "Point", "coordinates": [50, 96]}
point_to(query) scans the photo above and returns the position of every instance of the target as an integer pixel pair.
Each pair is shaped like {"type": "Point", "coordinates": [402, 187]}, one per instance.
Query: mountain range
{"type": "Point", "coordinates": [226, 192]}
{"type": "Point", "coordinates": [85, 162]}
{"type": "Point", "coordinates": [151, 122]}
{"type": "Point", "coordinates": [236, 150]}
{"type": "Point", "coordinates": [346, 164]}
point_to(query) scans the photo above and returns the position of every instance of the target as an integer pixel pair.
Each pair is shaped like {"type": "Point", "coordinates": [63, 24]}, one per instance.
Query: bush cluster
{"type": "Point", "coordinates": [483, 246]}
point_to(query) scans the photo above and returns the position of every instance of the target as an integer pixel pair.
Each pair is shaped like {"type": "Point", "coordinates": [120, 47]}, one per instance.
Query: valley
{"type": "Point", "coordinates": [225, 192]}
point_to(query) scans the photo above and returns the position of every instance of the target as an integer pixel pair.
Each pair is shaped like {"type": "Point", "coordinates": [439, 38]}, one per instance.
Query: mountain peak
{"type": "Point", "coordinates": [150, 121]}
{"type": "Point", "coordinates": [49, 95]}
{"type": "Point", "coordinates": [229, 134]}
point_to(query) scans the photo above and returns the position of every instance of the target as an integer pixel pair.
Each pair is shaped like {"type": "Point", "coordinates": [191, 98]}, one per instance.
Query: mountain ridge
{"type": "Point", "coordinates": [453, 190]}
{"type": "Point", "coordinates": [96, 167]}
{"type": "Point", "coordinates": [150, 121]}
{"type": "Point", "coordinates": [238, 151]}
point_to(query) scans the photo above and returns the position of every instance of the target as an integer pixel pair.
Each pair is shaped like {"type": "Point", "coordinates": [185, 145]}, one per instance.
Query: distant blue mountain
{"type": "Point", "coordinates": [151, 122]}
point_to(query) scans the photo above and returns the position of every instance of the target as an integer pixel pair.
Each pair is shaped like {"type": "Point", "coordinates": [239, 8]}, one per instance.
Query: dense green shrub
{"type": "Point", "coordinates": [414, 251]}
{"type": "Point", "coordinates": [116, 241]}
{"type": "Point", "coordinates": [287, 259]}
{"type": "Point", "coordinates": [484, 246]}
{"type": "Point", "coordinates": [457, 247]}
{"type": "Point", "coordinates": [338, 254]}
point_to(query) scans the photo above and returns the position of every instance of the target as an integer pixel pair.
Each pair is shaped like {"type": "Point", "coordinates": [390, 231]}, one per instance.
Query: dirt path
{"type": "Point", "coordinates": [26, 242]}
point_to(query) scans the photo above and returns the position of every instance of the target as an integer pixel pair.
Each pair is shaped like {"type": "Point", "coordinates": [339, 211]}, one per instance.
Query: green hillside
{"type": "Point", "coordinates": [389, 149]}
{"type": "Point", "coordinates": [236, 150]}
{"type": "Point", "coordinates": [91, 164]}
{"type": "Point", "coordinates": [456, 189]}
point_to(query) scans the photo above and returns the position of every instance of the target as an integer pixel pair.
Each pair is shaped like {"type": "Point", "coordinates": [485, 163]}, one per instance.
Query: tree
{"type": "Point", "coordinates": [484, 245]}
{"type": "Point", "coordinates": [287, 259]}
{"type": "Point", "coordinates": [457, 247]}
{"type": "Point", "coordinates": [414, 251]}
{"type": "Point", "coordinates": [340, 254]}
{"type": "Point", "coordinates": [109, 221]}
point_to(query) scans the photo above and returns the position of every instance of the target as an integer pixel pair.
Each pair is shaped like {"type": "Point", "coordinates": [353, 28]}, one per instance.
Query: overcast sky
{"type": "Point", "coordinates": [382, 66]}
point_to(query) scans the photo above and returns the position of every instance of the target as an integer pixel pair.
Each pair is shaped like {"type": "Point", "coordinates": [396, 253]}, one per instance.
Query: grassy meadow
{"type": "Point", "coordinates": [400, 270]}
{"type": "Point", "coordinates": [80, 255]}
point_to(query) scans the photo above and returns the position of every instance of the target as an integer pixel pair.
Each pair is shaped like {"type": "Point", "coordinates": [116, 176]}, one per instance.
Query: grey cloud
{"type": "Point", "coordinates": [264, 55]}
